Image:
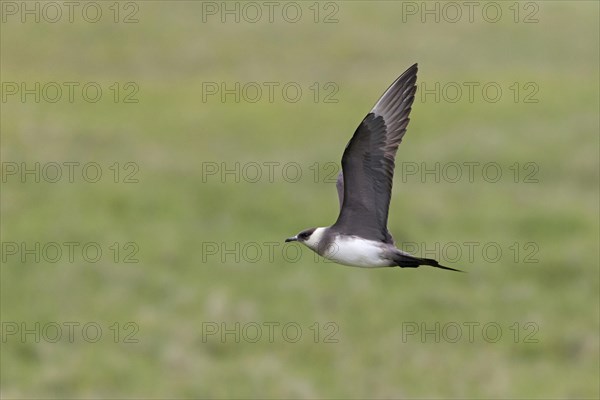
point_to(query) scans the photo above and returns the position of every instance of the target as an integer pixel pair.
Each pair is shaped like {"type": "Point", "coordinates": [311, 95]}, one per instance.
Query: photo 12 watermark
{"type": "Point", "coordinates": [69, 92]}
{"type": "Point", "coordinates": [471, 252]}
{"type": "Point", "coordinates": [453, 12]}
{"type": "Point", "coordinates": [69, 332]}
{"type": "Point", "coordinates": [52, 12]}
{"type": "Point", "coordinates": [269, 92]}
{"type": "Point", "coordinates": [475, 91]}
{"type": "Point", "coordinates": [269, 332]}
{"type": "Point", "coordinates": [253, 12]}
{"type": "Point", "coordinates": [69, 252]}
{"type": "Point", "coordinates": [469, 332]}
{"type": "Point", "coordinates": [69, 172]}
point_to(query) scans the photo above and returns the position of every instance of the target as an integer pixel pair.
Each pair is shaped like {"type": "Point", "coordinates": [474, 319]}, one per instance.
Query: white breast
{"type": "Point", "coordinates": [356, 252]}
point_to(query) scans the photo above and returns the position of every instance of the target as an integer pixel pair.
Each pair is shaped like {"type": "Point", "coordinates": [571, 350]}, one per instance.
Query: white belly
{"type": "Point", "coordinates": [356, 252]}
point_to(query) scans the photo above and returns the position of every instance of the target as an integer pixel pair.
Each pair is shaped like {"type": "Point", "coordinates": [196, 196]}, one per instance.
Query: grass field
{"type": "Point", "coordinates": [195, 295]}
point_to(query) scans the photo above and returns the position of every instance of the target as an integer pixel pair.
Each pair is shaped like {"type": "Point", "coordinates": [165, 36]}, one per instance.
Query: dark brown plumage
{"type": "Point", "coordinates": [365, 183]}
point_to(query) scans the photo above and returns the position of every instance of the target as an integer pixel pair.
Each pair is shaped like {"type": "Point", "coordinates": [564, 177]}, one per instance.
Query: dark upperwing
{"type": "Point", "coordinates": [365, 183]}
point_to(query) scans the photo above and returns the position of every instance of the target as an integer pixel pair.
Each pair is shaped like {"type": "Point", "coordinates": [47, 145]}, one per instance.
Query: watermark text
{"type": "Point", "coordinates": [69, 172]}
{"type": "Point", "coordinates": [69, 92]}
{"type": "Point", "coordinates": [69, 252]}
{"type": "Point", "coordinates": [68, 331]}
{"type": "Point", "coordinates": [252, 12]}
{"type": "Point", "coordinates": [52, 12]}
{"type": "Point", "coordinates": [469, 332]}
{"type": "Point", "coordinates": [253, 332]}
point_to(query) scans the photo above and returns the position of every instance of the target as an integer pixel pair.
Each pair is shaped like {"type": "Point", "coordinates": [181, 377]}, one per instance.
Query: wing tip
{"type": "Point", "coordinates": [397, 90]}
{"type": "Point", "coordinates": [410, 72]}
{"type": "Point", "coordinates": [414, 67]}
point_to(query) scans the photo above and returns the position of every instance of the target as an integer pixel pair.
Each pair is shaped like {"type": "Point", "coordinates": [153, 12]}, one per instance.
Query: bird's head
{"type": "Point", "coordinates": [309, 237]}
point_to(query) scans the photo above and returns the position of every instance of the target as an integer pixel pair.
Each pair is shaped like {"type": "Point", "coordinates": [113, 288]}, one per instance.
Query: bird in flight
{"type": "Point", "coordinates": [360, 237]}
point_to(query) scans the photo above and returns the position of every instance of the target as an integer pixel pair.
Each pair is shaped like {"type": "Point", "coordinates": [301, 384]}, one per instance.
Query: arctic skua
{"type": "Point", "coordinates": [360, 237]}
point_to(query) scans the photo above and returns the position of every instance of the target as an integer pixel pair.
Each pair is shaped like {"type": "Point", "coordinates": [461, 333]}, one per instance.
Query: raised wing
{"type": "Point", "coordinates": [365, 183]}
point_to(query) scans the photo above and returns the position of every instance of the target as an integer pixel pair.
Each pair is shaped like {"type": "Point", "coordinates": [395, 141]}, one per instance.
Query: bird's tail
{"type": "Point", "coordinates": [408, 261]}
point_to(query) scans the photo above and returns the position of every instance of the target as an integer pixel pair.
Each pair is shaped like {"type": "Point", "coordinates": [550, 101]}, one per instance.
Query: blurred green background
{"type": "Point", "coordinates": [179, 222]}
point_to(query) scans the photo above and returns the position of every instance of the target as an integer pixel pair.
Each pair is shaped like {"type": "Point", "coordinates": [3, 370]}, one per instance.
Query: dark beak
{"type": "Point", "coordinates": [292, 239]}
